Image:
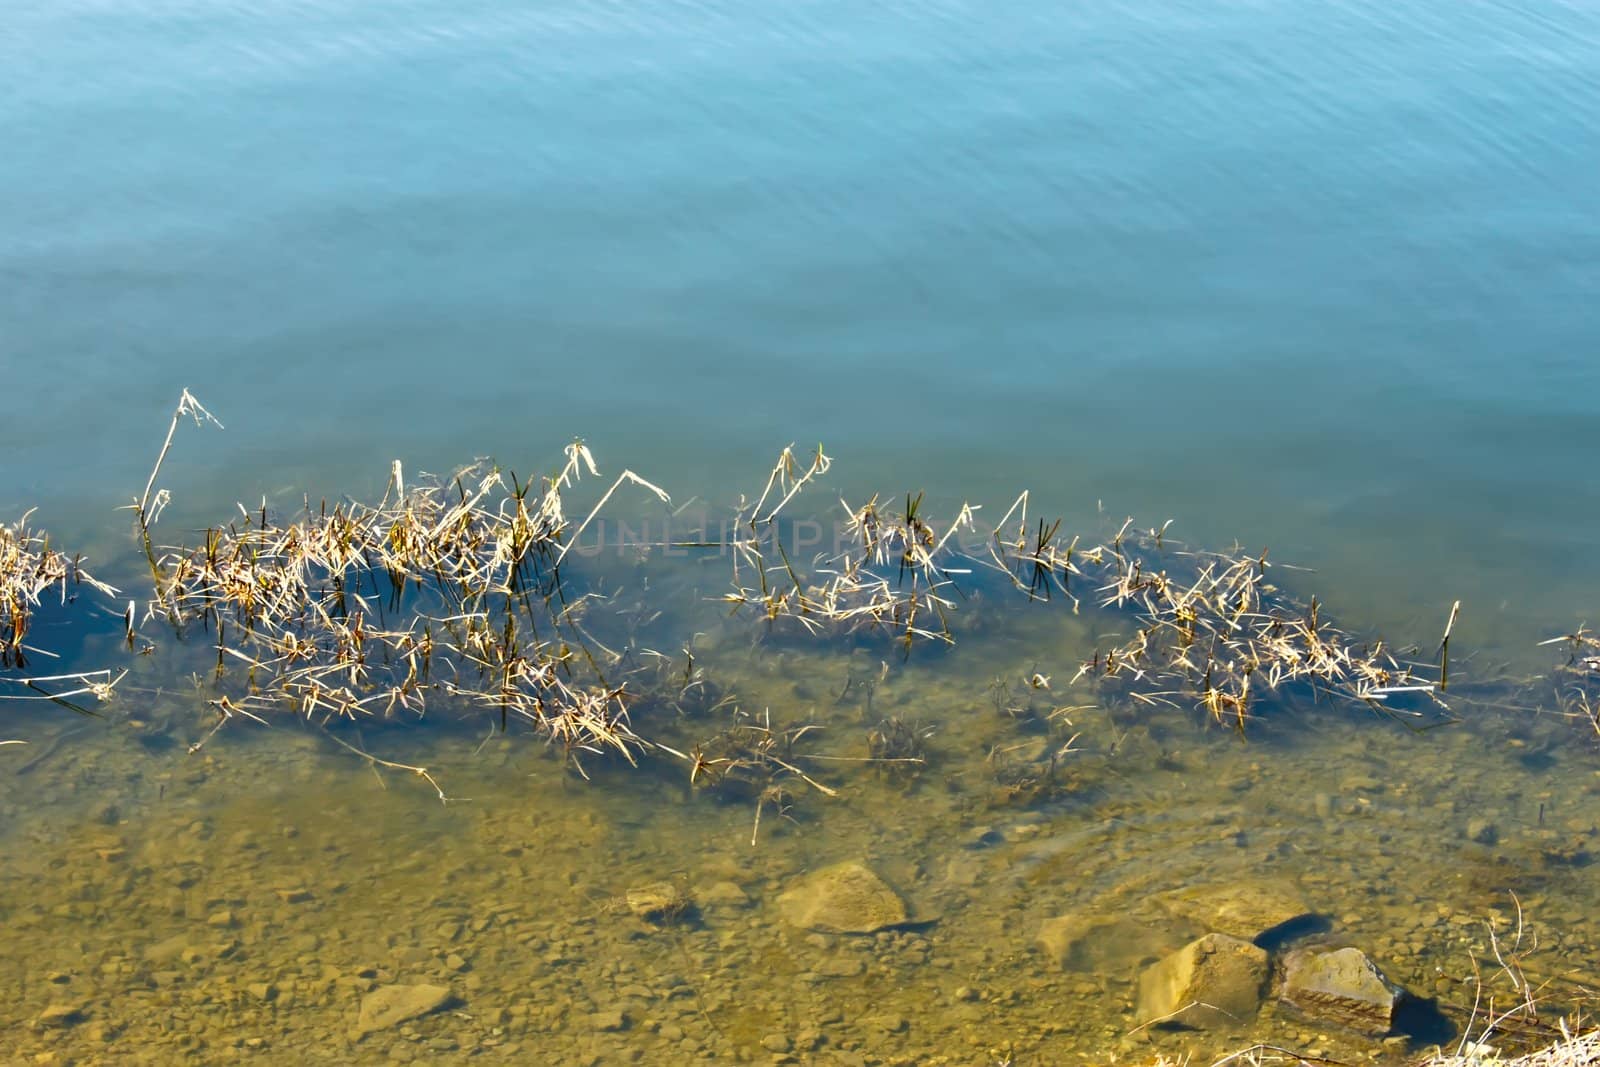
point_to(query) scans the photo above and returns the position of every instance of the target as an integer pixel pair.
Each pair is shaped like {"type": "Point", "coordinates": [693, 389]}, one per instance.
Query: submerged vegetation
{"type": "Point", "coordinates": [476, 594]}
{"type": "Point", "coordinates": [464, 594]}
{"type": "Point", "coordinates": [447, 589]}
{"type": "Point", "coordinates": [1209, 629]}
{"type": "Point", "coordinates": [486, 597]}
{"type": "Point", "coordinates": [30, 570]}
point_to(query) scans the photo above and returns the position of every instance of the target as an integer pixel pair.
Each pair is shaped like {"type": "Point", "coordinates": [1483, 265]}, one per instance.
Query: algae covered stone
{"type": "Point", "coordinates": [1216, 981]}
{"type": "Point", "coordinates": [1343, 987]}
{"type": "Point", "coordinates": [847, 898]}
{"type": "Point", "coordinates": [659, 902]}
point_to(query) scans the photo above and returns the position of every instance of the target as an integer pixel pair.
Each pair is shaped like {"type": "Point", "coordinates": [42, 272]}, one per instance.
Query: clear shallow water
{"type": "Point", "coordinates": [1316, 279]}
{"type": "Point", "coordinates": [238, 903]}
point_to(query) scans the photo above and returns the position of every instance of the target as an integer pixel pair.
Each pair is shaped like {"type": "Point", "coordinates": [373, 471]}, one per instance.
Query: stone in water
{"type": "Point", "coordinates": [847, 898]}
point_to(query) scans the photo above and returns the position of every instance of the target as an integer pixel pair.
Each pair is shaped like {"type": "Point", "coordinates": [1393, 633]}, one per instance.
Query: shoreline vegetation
{"type": "Point", "coordinates": [471, 589]}
{"type": "Point", "coordinates": [1580, 1049]}
{"type": "Point", "coordinates": [459, 592]}
{"type": "Point", "coordinates": [473, 595]}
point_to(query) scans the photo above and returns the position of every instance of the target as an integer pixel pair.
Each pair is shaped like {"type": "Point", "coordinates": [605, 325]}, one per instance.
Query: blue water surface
{"type": "Point", "coordinates": [1320, 276]}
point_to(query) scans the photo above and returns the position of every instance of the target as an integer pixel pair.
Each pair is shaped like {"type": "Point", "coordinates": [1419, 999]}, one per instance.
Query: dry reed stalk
{"type": "Point", "coordinates": [447, 588]}
{"type": "Point", "coordinates": [315, 610]}
{"type": "Point", "coordinates": [1571, 1049]}
{"type": "Point", "coordinates": [893, 578]}
{"type": "Point", "coordinates": [1223, 636]}
{"type": "Point", "coordinates": [755, 759]}
{"type": "Point", "coordinates": [1577, 696]}
{"type": "Point", "coordinates": [453, 587]}
{"type": "Point", "coordinates": [29, 569]}
{"type": "Point", "coordinates": [147, 509]}
{"type": "Point", "coordinates": [1209, 629]}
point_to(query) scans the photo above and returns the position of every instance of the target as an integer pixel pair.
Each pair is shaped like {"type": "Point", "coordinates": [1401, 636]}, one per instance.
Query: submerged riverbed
{"type": "Point", "coordinates": [244, 899]}
{"type": "Point", "coordinates": [1318, 278]}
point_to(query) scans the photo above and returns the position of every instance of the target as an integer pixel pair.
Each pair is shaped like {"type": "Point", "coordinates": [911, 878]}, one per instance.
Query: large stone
{"type": "Point", "coordinates": [1101, 944]}
{"type": "Point", "coordinates": [392, 1005]}
{"type": "Point", "coordinates": [1214, 982]}
{"type": "Point", "coordinates": [659, 902]}
{"type": "Point", "coordinates": [847, 898]}
{"type": "Point", "coordinates": [59, 1016]}
{"type": "Point", "coordinates": [1254, 911]}
{"type": "Point", "coordinates": [1342, 987]}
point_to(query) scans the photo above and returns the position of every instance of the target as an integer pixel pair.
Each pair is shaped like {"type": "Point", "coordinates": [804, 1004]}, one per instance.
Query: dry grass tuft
{"type": "Point", "coordinates": [1210, 630]}
{"type": "Point", "coordinates": [29, 570]}
{"type": "Point", "coordinates": [1569, 1050]}
{"type": "Point", "coordinates": [445, 589]}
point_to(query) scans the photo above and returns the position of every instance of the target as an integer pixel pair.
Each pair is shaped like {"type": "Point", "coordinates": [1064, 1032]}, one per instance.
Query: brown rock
{"type": "Point", "coordinates": [1216, 981]}
{"type": "Point", "coordinates": [659, 902]}
{"type": "Point", "coordinates": [1342, 987]}
{"type": "Point", "coordinates": [394, 1004]}
{"type": "Point", "coordinates": [59, 1016]}
{"type": "Point", "coordinates": [841, 967]}
{"type": "Point", "coordinates": [847, 898]}
{"type": "Point", "coordinates": [611, 1020]}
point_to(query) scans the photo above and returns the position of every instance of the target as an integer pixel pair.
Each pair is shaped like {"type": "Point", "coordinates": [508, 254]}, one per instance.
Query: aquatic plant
{"type": "Point", "coordinates": [754, 760]}
{"type": "Point", "coordinates": [1209, 628]}
{"type": "Point", "coordinates": [29, 569]}
{"type": "Point", "coordinates": [1222, 636]}
{"type": "Point", "coordinates": [1583, 650]}
{"type": "Point", "coordinates": [454, 587]}
{"type": "Point", "coordinates": [1577, 692]}
{"type": "Point", "coordinates": [457, 594]}
{"type": "Point", "coordinates": [445, 588]}
{"type": "Point", "coordinates": [150, 503]}
{"type": "Point", "coordinates": [1570, 1050]}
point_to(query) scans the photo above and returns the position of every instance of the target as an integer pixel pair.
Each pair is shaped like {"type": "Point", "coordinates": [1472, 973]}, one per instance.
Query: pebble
{"type": "Point", "coordinates": [395, 1004]}
{"type": "Point", "coordinates": [58, 1016]}
{"type": "Point", "coordinates": [840, 967]}
{"type": "Point", "coordinates": [214, 985]}
{"type": "Point", "coordinates": [609, 1021]}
